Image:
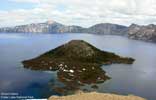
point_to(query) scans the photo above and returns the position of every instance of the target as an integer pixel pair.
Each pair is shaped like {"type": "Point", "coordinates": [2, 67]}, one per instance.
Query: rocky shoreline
{"type": "Point", "coordinates": [95, 96]}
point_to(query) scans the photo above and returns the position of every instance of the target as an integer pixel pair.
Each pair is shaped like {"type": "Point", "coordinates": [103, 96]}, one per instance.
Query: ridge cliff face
{"type": "Point", "coordinates": [54, 27]}
{"type": "Point", "coordinates": [108, 29]}
{"type": "Point", "coordinates": [146, 33]}
{"type": "Point", "coordinates": [47, 27]}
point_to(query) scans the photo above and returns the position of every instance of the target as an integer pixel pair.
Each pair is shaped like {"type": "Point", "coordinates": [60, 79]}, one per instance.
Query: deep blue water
{"type": "Point", "coordinates": [138, 78]}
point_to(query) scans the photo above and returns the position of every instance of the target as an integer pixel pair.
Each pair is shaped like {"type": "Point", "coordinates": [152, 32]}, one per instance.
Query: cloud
{"type": "Point", "coordinates": [25, 1]}
{"type": "Point", "coordinates": [82, 12]}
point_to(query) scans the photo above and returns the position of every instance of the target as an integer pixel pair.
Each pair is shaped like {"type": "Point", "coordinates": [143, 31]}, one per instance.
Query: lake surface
{"type": "Point", "coordinates": [138, 78]}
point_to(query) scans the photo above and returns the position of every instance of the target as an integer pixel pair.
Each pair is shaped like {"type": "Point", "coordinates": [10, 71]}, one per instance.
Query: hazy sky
{"type": "Point", "coordinates": [77, 12]}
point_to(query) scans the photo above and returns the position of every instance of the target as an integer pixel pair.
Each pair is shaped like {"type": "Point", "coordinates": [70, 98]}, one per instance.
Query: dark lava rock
{"type": "Point", "coordinates": [94, 86]}
{"type": "Point", "coordinates": [77, 62]}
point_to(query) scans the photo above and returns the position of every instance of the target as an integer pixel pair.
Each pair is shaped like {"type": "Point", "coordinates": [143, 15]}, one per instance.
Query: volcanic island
{"type": "Point", "coordinates": [77, 63]}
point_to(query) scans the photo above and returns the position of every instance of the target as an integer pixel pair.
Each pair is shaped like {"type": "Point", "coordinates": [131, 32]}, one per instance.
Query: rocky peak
{"type": "Point", "coordinates": [50, 22]}
{"type": "Point", "coordinates": [133, 28]}
{"type": "Point", "coordinates": [76, 49]}
{"type": "Point", "coordinates": [134, 25]}
{"type": "Point", "coordinates": [151, 26]}
{"type": "Point", "coordinates": [144, 32]}
{"type": "Point", "coordinates": [107, 28]}
{"type": "Point", "coordinates": [80, 48]}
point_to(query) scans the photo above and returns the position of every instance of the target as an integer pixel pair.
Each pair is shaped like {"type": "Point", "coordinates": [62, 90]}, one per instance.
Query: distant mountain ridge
{"type": "Point", "coordinates": [55, 27]}
{"type": "Point", "coordinates": [134, 31]}
{"type": "Point", "coordinates": [46, 27]}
